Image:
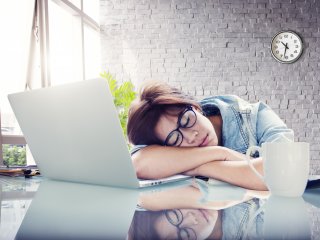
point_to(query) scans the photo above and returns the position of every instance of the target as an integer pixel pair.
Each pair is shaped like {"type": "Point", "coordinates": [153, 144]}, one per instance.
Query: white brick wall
{"type": "Point", "coordinates": [210, 47]}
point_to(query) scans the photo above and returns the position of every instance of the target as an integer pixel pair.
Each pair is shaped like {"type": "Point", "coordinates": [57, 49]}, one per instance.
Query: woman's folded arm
{"type": "Point", "coordinates": [155, 161]}
{"type": "Point", "coordinates": [234, 172]}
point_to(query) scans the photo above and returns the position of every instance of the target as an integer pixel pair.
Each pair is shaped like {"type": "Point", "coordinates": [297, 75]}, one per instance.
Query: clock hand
{"type": "Point", "coordinates": [285, 51]}
{"type": "Point", "coordinates": [286, 46]}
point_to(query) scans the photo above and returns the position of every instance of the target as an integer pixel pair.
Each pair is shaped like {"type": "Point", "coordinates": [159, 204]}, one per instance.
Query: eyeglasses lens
{"type": "Point", "coordinates": [186, 120]}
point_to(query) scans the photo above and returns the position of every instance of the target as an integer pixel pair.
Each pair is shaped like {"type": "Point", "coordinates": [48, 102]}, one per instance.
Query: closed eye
{"type": "Point", "coordinates": [187, 234]}
{"type": "Point", "coordinates": [177, 139]}
{"type": "Point", "coordinates": [184, 122]}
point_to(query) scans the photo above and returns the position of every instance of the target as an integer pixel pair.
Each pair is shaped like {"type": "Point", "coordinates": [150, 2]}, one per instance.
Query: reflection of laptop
{"type": "Point", "coordinates": [64, 210]}
{"type": "Point", "coordinates": [74, 134]}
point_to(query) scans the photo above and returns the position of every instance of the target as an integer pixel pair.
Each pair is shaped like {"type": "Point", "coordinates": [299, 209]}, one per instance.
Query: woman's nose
{"type": "Point", "coordinates": [191, 136]}
{"type": "Point", "coordinates": [190, 219]}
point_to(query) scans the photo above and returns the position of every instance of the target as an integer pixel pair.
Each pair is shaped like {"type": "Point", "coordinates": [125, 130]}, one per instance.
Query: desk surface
{"type": "Point", "coordinates": [44, 209]}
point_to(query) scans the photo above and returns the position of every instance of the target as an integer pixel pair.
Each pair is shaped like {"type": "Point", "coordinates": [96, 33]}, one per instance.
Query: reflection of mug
{"type": "Point", "coordinates": [286, 167]}
{"type": "Point", "coordinates": [286, 218]}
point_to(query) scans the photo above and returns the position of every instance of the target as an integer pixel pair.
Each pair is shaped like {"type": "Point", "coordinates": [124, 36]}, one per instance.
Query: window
{"type": "Point", "coordinates": [44, 43]}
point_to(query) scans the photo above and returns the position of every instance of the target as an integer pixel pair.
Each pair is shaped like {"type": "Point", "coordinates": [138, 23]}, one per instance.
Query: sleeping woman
{"type": "Point", "coordinates": [173, 134]}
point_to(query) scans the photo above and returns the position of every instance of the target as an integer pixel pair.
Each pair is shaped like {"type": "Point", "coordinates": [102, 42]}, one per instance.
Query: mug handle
{"type": "Point", "coordinates": [250, 149]}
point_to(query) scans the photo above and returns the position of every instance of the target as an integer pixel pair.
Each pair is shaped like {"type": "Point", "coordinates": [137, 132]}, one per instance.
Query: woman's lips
{"type": "Point", "coordinates": [205, 141]}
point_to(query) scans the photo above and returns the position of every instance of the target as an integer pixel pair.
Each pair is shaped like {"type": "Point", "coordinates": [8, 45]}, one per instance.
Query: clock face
{"type": "Point", "coordinates": [286, 47]}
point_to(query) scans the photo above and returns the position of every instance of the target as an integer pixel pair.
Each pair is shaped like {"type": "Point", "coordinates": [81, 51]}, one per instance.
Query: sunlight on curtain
{"type": "Point", "coordinates": [15, 24]}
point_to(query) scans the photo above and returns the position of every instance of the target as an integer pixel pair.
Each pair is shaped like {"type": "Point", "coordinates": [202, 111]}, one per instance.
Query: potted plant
{"type": "Point", "coordinates": [123, 94]}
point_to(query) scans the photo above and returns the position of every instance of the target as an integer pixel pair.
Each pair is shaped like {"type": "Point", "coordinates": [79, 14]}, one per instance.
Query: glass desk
{"type": "Point", "coordinates": [37, 208]}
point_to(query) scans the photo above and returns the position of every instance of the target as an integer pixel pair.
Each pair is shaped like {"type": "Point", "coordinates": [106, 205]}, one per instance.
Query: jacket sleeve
{"type": "Point", "coordinates": [270, 128]}
{"type": "Point", "coordinates": [136, 148]}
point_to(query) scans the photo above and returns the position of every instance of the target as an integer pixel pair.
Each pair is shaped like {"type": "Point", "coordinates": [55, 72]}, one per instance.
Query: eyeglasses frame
{"type": "Point", "coordinates": [187, 108]}
{"type": "Point", "coordinates": [177, 225]}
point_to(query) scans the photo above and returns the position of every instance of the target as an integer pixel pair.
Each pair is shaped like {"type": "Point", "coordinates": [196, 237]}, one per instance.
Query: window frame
{"type": "Point", "coordinates": [41, 22]}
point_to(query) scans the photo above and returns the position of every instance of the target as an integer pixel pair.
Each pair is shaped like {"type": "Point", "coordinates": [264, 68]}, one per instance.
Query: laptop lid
{"type": "Point", "coordinates": [74, 133]}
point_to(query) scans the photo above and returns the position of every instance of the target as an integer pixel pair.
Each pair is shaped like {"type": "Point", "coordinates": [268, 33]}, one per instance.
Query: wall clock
{"type": "Point", "coordinates": [286, 46]}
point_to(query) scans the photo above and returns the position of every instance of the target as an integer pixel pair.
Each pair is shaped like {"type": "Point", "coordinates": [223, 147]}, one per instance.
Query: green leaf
{"type": "Point", "coordinates": [14, 155]}
{"type": "Point", "coordinates": [123, 95]}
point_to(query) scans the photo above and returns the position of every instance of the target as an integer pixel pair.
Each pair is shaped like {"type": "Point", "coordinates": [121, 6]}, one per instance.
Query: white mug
{"type": "Point", "coordinates": [285, 167]}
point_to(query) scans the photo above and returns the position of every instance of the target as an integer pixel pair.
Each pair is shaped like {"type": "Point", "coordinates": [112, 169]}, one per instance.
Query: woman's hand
{"type": "Point", "coordinates": [227, 155]}
{"type": "Point", "coordinates": [232, 172]}
{"type": "Point", "coordinates": [231, 155]}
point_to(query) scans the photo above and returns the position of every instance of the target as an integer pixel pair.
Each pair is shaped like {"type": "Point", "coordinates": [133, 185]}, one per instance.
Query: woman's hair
{"type": "Point", "coordinates": [155, 99]}
{"type": "Point", "coordinates": [142, 225]}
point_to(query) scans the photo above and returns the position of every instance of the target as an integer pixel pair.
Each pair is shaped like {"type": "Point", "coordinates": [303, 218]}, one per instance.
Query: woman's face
{"type": "Point", "coordinates": [200, 134]}
{"type": "Point", "coordinates": [192, 224]}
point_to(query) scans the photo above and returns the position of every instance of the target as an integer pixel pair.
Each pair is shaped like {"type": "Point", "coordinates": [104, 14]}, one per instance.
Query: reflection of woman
{"type": "Point", "coordinates": [175, 134]}
{"type": "Point", "coordinates": [188, 224]}
{"type": "Point", "coordinates": [183, 213]}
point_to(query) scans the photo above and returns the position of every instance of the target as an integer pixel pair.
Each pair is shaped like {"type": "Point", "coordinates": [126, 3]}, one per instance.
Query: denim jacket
{"type": "Point", "coordinates": [243, 221]}
{"type": "Point", "coordinates": [244, 124]}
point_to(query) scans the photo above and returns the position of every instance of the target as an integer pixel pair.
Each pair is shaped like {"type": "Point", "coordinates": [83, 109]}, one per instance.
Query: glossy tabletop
{"type": "Point", "coordinates": [38, 208]}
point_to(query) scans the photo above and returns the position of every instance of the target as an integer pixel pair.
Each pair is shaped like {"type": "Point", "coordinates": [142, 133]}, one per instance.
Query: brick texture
{"type": "Point", "coordinates": [210, 47]}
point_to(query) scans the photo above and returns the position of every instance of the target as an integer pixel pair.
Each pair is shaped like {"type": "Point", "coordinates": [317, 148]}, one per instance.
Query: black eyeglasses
{"type": "Point", "coordinates": [175, 217]}
{"type": "Point", "coordinates": [186, 119]}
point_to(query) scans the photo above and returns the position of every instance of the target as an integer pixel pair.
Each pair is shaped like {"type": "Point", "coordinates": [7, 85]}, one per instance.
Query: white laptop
{"type": "Point", "coordinates": [74, 134]}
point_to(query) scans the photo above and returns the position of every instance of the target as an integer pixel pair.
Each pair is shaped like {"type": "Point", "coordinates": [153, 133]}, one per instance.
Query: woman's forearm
{"type": "Point", "coordinates": [234, 172]}
{"type": "Point", "coordinates": [155, 161]}
{"type": "Point", "coordinates": [182, 197]}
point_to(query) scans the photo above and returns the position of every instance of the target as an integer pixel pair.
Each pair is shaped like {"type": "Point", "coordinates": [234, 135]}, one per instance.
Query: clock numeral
{"type": "Point", "coordinates": [286, 57]}
{"type": "Point", "coordinates": [277, 41]}
{"type": "Point", "coordinates": [281, 55]}
{"type": "Point", "coordinates": [275, 47]}
{"type": "Point", "coordinates": [297, 46]}
{"type": "Point", "coordinates": [277, 52]}
{"type": "Point", "coordinates": [295, 51]}
{"type": "Point", "coordinates": [295, 41]}
{"type": "Point", "coordinates": [291, 55]}
{"type": "Point", "coordinates": [286, 36]}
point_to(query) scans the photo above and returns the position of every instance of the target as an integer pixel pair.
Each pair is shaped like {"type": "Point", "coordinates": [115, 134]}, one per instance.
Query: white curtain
{"type": "Point", "coordinates": [16, 19]}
